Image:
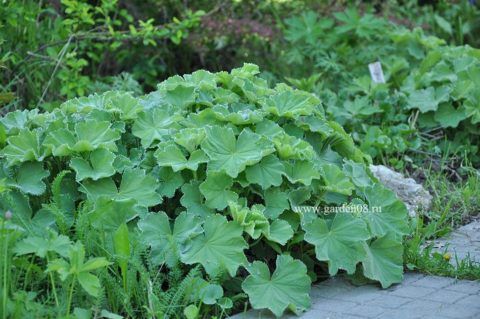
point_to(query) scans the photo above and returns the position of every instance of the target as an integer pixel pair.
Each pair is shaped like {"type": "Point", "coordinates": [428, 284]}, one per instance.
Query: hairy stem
{"type": "Point", "coordinates": [52, 281]}
{"type": "Point", "coordinates": [70, 295]}
{"type": "Point", "coordinates": [5, 261]}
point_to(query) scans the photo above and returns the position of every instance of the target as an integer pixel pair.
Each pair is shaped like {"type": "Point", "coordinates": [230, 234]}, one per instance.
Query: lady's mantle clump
{"type": "Point", "coordinates": [210, 170]}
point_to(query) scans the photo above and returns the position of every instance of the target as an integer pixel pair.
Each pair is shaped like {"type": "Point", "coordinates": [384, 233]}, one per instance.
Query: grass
{"type": "Point", "coordinates": [456, 201]}
{"type": "Point", "coordinates": [439, 264]}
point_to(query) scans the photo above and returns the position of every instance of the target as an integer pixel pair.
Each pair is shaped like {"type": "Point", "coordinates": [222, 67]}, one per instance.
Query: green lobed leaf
{"type": "Point", "coordinates": [193, 200]}
{"type": "Point", "coordinates": [268, 172]}
{"type": "Point", "coordinates": [276, 202]}
{"type": "Point", "coordinates": [24, 147]}
{"type": "Point", "coordinates": [165, 241]}
{"type": "Point", "coordinates": [40, 246]}
{"type": "Point", "coordinates": [135, 185]}
{"type": "Point", "coordinates": [99, 165]}
{"type": "Point", "coordinates": [219, 248]}
{"type": "Point", "coordinates": [170, 155]}
{"type": "Point", "coordinates": [216, 189]}
{"type": "Point", "coordinates": [338, 241]}
{"type": "Point", "coordinates": [230, 155]}
{"type": "Point", "coordinates": [109, 214]}
{"type": "Point", "coordinates": [428, 99]}
{"type": "Point", "coordinates": [383, 261]}
{"type": "Point", "coordinates": [153, 125]}
{"type": "Point", "coordinates": [387, 214]}
{"type": "Point", "coordinates": [290, 104]}
{"type": "Point", "coordinates": [301, 172]}
{"type": "Point", "coordinates": [287, 287]}
{"type": "Point", "coordinates": [29, 178]}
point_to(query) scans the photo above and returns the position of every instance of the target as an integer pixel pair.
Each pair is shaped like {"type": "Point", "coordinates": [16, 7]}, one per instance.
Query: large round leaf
{"type": "Point", "coordinates": [338, 241]}
{"type": "Point", "coordinates": [287, 287]}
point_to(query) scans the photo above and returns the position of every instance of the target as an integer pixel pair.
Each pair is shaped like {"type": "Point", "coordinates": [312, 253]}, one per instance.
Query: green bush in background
{"type": "Point", "coordinates": [56, 50]}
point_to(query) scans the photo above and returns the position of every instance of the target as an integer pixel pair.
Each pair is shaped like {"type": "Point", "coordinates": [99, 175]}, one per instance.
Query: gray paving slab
{"type": "Point", "coordinates": [463, 242]}
{"type": "Point", "coordinates": [418, 296]}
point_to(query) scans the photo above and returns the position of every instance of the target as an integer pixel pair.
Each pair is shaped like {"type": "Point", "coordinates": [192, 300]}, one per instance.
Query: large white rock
{"type": "Point", "coordinates": [410, 192]}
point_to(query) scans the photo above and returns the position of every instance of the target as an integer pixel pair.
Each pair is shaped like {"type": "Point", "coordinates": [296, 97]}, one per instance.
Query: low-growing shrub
{"type": "Point", "coordinates": [213, 189]}
{"type": "Point", "coordinates": [427, 105]}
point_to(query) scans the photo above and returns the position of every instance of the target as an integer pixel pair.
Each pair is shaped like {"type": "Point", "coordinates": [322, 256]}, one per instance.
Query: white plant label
{"type": "Point", "coordinates": [376, 72]}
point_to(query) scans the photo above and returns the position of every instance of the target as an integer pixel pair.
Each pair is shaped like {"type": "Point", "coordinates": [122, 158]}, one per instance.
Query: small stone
{"type": "Point", "coordinates": [407, 190]}
{"type": "Point", "coordinates": [8, 215]}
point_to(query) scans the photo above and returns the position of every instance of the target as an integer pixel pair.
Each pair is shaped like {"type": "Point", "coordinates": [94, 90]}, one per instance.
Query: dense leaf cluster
{"type": "Point", "coordinates": [212, 169]}
{"type": "Point", "coordinates": [428, 94]}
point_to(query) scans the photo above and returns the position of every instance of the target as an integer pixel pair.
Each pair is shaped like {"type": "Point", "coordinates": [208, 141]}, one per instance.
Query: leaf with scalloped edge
{"type": "Point", "coordinates": [301, 172]}
{"type": "Point", "coordinates": [231, 155]}
{"type": "Point", "coordinates": [387, 213]}
{"type": "Point", "coordinates": [108, 214]}
{"type": "Point", "coordinates": [292, 148]}
{"type": "Point", "coordinates": [290, 104]}
{"type": "Point", "coordinates": [93, 134]}
{"type": "Point", "coordinates": [449, 116]}
{"type": "Point", "coordinates": [135, 185]}
{"type": "Point", "coordinates": [99, 165]}
{"type": "Point", "coordinates": [268, 172]}
{"type": "Point", "coordinates": [41, 245]}
{"type": "Point", "coordinates": [164, 240]}
{"type": "Point", "coordinates": [383, 261]}
{"type": "Point", "coordinates": [193, 199]}
{"type": "Point", "coordinates": [338, 241]}
{"type": "Point", "coordinates": [216, 189]}
{"type": "Point", "coordinates": [24, 147]}
{"type": "Point", "coordinates": [172, 156]}
{"type": "Point", "coordinates": [87, 136]}
{"type": "Point", "coordinates": [153, 125]}
{"type": "Point", "coordinates": [29, 178]}
{"type": "Point", "coordinates": [170, 181]}
{"type": "Point", "coordinates": [181, 96]}
{"type": "Point", "coordinates": [124, 104]}
{"type": "Point", "coordinates": [251, 219]}
{"type": "Point", "coordinates": [15, 120]}
{"type": "Point", "coordinates": [428, 99]}
{"type": "Point", "coordinates": [288, 286]}
{"type": "Point", "coordinates": [219, 248]}
{"type": "Point", "coordinates": [276, 202]}
{"type": "Point", "coordinates": [280, 231]}
{"type": "Point", "coordinates": [336, 181]}
{"type": "Point", "coordinates": [190, 138]}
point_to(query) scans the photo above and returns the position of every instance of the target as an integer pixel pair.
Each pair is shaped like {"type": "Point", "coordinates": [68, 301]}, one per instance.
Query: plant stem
{"type": "Point", "coordinates": [52, 280]}
{"type": "Point", "coordinates": [5, 260]}
{"type": "Point", "coordinates": [27, 273]}
{"type": "Point", "coordinates": [70, 294]}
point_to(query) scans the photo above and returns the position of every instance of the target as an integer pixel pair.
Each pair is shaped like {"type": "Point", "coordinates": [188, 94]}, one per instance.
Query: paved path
{"type": "Point", "coordinates": [462, 242]}
{"type": "Point", "coordinates": [418, 296]}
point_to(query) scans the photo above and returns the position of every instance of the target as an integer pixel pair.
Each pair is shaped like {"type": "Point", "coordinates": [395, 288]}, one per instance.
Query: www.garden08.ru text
{"type": "Point", "coordinates": [343, 209]}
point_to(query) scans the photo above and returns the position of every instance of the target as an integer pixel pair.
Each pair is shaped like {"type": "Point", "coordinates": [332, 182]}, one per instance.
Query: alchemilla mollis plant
{"type": "Point", "coordinates": [189, 201]}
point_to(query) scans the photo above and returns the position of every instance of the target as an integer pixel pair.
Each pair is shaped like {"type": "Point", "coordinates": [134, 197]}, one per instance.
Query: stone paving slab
{"type": "Point", "coordinates": [418, 296]}
{"type": "Point", "coordinates": [462, 242]}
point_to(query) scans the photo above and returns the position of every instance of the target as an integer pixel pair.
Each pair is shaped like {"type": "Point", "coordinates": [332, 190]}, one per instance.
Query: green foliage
{"type": "Point", "coordinates": [53, 50]}
{"type": "Point", "coordinates": [288, 286]}
{"type": "Point", "coordinates": [455, 22]}
{"type": "Point", "coordinates": [210, 175]}
{"type": "Point", "coordinates": [428, 90]}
